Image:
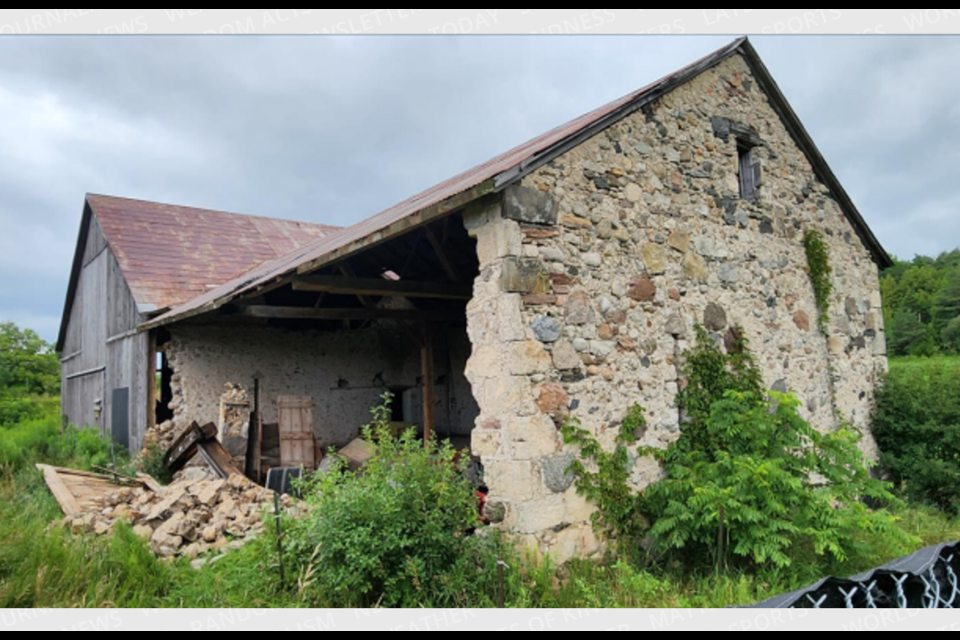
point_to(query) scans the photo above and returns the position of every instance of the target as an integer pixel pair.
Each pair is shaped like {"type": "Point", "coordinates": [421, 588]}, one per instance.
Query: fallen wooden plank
{"type": "Point", "coordinates": [68, 504]}
{"type": "Point", "coordinates": [218, 459]}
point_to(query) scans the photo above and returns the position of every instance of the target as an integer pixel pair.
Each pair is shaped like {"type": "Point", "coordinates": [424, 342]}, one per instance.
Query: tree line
{"type": "Point", "coordinates": [29, 374]}
{"type": "Point", "coordinates": [921, 300]}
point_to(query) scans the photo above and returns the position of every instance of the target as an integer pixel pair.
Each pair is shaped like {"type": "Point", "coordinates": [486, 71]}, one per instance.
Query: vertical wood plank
{"type": "Point", "coordinates": [429, 394]}
{"type": "Point", "coordinates": [297, 442]}
{"type": "Point", "coordinates": [151, 366]}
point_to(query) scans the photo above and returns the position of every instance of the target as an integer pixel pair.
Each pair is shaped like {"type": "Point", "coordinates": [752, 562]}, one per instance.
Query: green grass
{"type": "Point", "coordinates": [924, 366]}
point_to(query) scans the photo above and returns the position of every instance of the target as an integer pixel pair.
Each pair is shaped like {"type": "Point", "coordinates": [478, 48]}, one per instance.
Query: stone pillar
{"type": "Point", "coordinates": [514, 381]}
{"type": "Point", "coordinates": [235, 422]}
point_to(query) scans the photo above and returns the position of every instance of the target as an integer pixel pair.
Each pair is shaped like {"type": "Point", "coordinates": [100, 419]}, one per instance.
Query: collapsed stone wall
{"type": "Point", "coordinates": [345, 372]}
{"type": "Point", "coordinates": [595, 271]}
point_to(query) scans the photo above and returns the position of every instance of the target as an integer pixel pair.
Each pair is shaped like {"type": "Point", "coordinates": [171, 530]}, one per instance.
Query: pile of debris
{"type": "Point", "coordinates": [163, 436]}
{"type": "Point", "coordinates": [195, 515]}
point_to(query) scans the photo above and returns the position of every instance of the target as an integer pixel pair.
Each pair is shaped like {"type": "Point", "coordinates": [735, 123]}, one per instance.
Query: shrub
{"type": "Point", "coordinates": [396, 533]}
{"type": "Point", "coordinates": [770, 484]}
{"type": "Point", "coordinates": [749, 477]}
{"type": "Point", "coordinates": [151, 462]}
{"type": "Point", "coordinates": [917, 426]}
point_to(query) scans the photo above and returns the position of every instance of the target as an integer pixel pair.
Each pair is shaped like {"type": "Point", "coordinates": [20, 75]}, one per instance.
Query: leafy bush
{"type": "Point", "coordinates": [29, 376]}
{"type": "Point", "coordinates": [151, 462]}
{"type": "Point", "coordinates": [917, 426]}
{"type": "Point", "coordinates": [396, 533]}
{"type": "Point", "coordinates": [769, 484]}
{"type": "Point", "coordinates": [749, 477]}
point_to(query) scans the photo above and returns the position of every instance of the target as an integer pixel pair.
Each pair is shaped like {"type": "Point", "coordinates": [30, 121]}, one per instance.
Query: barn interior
{"type": "Point", "coordinates": [316, 352]}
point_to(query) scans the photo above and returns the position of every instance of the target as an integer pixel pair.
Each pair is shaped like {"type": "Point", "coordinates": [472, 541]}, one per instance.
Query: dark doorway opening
{"type": "Point", "coordinates": [164, 380]}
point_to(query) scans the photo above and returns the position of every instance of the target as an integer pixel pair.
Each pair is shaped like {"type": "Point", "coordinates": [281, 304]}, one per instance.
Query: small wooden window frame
{"type": "Point", "coordinates": [751, 171]}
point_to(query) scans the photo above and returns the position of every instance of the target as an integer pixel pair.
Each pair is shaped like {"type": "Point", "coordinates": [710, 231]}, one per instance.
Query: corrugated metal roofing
{"type": "Point", "coordinates": [496, 174]}
{"type": "Point", "coordinates": [171, 254]}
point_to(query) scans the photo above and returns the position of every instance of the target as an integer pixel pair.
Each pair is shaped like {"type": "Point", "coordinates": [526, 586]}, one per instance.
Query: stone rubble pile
{"type": "Point", "coordinates": [195, 515]}
{"type": "Point", "coordinates": [162, 436]}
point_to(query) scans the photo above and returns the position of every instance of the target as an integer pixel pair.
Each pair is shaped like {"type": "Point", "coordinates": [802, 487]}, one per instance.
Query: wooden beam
{"type": "Point", "coordinates": [68, 504]}
{"type": "Point", "coordinates": [451, 270]}
{"type": "Point", "coordinates": [429, 395]}
{"type": "Point", "coordinates": [309, 313]}
{"type": "Point", "coordinates": [381, 288]}
{"type": "Point", "coordinates": [347, 271]}
{"type": "Point", "coordinates": [255, 443]}
{"type": "Point", "coordinates": [151, 374]}
{"type": "Point", "coordinates": [88, 372]}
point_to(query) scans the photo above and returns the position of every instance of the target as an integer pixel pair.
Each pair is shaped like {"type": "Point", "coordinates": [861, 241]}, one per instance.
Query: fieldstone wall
{"type": "Point", "coordinates": [345, 372]}
{"type": "Point", "coordinates": [596, 270]}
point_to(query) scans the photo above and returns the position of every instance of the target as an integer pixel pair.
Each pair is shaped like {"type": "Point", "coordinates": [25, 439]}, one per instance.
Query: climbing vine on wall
{"type": "Point", "coordinates": [606, 481]}
{"type": "Point", "coordinates": [818, 261]}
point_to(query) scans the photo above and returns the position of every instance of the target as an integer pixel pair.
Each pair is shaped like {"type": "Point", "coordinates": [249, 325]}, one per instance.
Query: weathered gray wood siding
{"type": "Point", "coordinates": [102, 352]}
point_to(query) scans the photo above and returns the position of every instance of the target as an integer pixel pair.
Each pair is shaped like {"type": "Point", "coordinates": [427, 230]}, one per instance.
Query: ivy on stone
{"type": "Point", "coordinates": [818, 263]}
{"type": "Point", "coordinates": [606, 482]}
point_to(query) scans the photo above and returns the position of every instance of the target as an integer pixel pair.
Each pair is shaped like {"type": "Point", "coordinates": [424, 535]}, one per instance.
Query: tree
{"type": "Point", "coordinates": [950, 337]}
{"type": "Point", "coordinates": [946, 306]}
{"type": "Point", "coordinates": [27, 364]}
{"type": "Point", "coordinates": [909, 336]}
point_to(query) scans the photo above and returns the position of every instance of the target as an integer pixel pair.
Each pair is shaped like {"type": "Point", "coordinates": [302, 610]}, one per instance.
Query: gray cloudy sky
{"type": "Point", "coordinates": [335, 129]}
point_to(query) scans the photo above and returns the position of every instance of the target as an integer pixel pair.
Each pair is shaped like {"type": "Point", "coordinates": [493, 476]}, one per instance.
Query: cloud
{"type": "Point", "coordinates": [335, 129]}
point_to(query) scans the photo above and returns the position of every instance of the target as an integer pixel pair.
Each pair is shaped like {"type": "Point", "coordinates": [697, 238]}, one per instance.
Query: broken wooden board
{"type": "Point", "coordinates": [218, 458]}
{"type": "Point", "coordinates": [79, 492]}
{"type": "Point", "coordinates": [185, 448]}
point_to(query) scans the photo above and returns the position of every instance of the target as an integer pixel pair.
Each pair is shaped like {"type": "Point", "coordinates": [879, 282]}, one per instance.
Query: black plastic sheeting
{"type": "Point", "coordinates": [924, 580]}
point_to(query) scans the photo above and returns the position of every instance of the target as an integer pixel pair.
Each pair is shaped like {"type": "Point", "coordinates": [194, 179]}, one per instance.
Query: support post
{"type": "Point", "coordinates": [151, 374]}
{"type": "Point", "coordinates": [429, 395]}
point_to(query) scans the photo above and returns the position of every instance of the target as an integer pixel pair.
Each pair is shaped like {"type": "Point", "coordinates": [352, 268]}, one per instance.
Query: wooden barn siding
{"type": "Point", "coordinates": [99, 335]}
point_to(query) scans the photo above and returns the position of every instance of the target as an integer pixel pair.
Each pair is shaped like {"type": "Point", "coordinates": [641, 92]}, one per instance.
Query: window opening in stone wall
{"type": "Point", "coordinates": [750, 171]}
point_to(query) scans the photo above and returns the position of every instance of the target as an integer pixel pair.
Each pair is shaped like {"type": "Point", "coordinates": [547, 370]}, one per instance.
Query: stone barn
{"type": "Point", "coordinates": [561, 279]}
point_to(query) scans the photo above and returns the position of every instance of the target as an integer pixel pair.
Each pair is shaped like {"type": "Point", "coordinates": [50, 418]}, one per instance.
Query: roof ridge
{"type": "Point", "coordinates": [251, 216]}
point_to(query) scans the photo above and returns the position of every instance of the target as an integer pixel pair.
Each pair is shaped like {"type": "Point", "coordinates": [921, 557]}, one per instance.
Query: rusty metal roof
{"type": "Point", "coordinates": [171, 254]}
{"type": "Point", "coordinates": [496, 174]}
